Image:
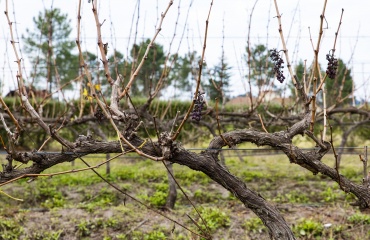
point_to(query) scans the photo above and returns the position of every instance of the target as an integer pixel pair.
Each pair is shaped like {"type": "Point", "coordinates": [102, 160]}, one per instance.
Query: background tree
{"type": "Point", "coordinates": [218, 82]}
{"type": "Point", "coordinates": [261, 66]}
{"type": "Point", "coordinates": [49, 40]}
{"type": "Point", "coordinates": [184, 72]}
{"type": "Point", "coordinates": [118, 65]}
{"type": "Point", "coordinates": [152, 69]}
{"type": "Point", "coordinates": [300, 73]}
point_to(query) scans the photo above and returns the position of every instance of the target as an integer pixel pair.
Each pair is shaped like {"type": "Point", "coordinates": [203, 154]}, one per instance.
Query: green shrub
{"type": "Point", "coordinates": [214, 218]}
{"type": "Point", "coordinates": [330, 195]}
{"type": "Point", "coordinates": [309, 228]}
{"type": "Point", "coordinates": [292, 197]}
{"type": "Point", "coordinates": [252, 176]}
{"type": "Point", "coordinates": [158, 199]}
{"type": "Point", "coordinates": [54, 202]}
{"type": "Point", "coordinates": [187, 177]}
{"type": "Point", "coordinates": [9, 229]}
{"type": "Point", "coordinates": [84, 228]}
{"type": "Point", "coordinates": [52, 235]}
{"type": "Point", "coordinates": [254, 225]}
{"type": "Point", "coordinates": [204, 196]}
{"type": "Point", "coordinates": [104, 198]}
{"type": "Point", "coordinates": [359, 218]}
{"type": "Point", "coordinates": [155, 235]}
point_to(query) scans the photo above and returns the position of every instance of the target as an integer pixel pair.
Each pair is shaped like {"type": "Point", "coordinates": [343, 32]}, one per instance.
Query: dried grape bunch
{"type": "Point", "coordinates": [331, 70]}
{"type": "Point", "coordinates": [278, 64]}
{"type": "Point", "coordinates": [196, 114]}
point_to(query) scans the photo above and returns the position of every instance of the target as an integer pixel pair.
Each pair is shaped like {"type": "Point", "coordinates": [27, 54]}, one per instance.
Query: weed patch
{"type": "Point", "coordinates": [308, 228]}
{"type": "Point", "coordinates": [292, 197]}
{"type": "Point", "coordinates": [254, 225]}
{"type": "Point", "coordinates": [359, 218]}
{"type": "Point", "coordinates": [10, 229]}
{"type": "Point", "coordinates": [214, 218]}
{"type": "Point", "coordinates": [104, 198]}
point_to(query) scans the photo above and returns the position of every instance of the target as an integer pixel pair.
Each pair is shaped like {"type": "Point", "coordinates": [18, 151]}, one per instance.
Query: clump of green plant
{"type": "Point", "coordinates": [337, 229]}
{"type": "Point", "coordinates": [205, 196]}
{"type": "Point", "coordinates": [84, 228]}
{"type": "Point", "coordinates": [77, 179]}
{"type": "Point", "coordinates": [359, 218]}
{"type": "Point", "coordinates": [150, 175]}
{"type": "Point", "coordinates": [350, 197]}
{"type": "Point", "coordinates": [104, 198]}
{"type": "Point", "coordinates": [292, 197]}
{"type": "Point", "coordinates": [252, 176]}
{"type": "Point", "coordinates": [106, 223]}
{"type": "Point", "coordinates": [155, 235]}
{"type": "Point", "coordinates": [112, 223]}
{"type": "Point", "coordinates": [124, 173]}
{"type": "Point", "coordinates": [309, 228]}
{"type": "Point", "coordinates": [52, 235]}
{"type": "Point", "coordinates": [214, 218]}
{"type": "Point", "coordinates": [9, 229]}
{"type": "Point", "coordinates": [330, 195]}
{"type": "Point", "coordinates": [42, 192]}
{"type": "Point", "coordinates": [121, 236]}
{"type": "Point", "coordinates": [352, 174]}
{"type": "Point", "coordinates": [254, 224]}
{"type": "Point", "coordinates": [54, 202]}
{"type": "Point", "coordinates": [158, 199]}
{"type": "Point", "coordinates": [187, 177]}
{"type": "Point", "coordinates": [161, 187]}
{"type": "Point", "coordinates": [46, 190]}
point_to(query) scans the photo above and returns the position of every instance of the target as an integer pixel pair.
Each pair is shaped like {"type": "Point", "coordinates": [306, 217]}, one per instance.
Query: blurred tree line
{"type": "Point", "coordinates": [55, 62]}
{"type": "Point", "coordinates": [54, 58]}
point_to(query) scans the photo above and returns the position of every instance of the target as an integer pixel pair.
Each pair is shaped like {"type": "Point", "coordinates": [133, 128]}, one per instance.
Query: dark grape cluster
{"type": "Point", "coordinates": [278, 64]}
{"type": "Point", "coordinates": [331, 70]}
{"type": "Point", "coordinates": [196, 114]}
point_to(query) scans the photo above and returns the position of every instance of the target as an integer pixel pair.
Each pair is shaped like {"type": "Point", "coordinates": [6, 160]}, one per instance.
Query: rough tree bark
{"type": "Point", "coordinates": [172, 191]}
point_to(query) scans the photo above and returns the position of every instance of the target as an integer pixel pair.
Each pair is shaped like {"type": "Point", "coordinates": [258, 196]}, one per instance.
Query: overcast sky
{"type": "Point", "coordinates": [297, 17]}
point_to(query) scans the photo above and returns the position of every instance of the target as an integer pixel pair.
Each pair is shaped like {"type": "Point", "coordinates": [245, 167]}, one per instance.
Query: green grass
{"type": "Point", "coordinates": [109, 214]}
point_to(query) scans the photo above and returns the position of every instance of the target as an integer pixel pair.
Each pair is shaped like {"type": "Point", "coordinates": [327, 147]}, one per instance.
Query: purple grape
{"type": "Point", "coordinates": [278, 65]}
{"type": "Point", "coordinates": [196, 114]}
{"type": "Point", "coordinates": [331, 70]}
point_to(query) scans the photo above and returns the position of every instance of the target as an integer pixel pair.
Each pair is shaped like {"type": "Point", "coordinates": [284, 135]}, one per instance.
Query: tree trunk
{"type": "Point", "coordinates": [107, 169]}
{"type": "Point", "coordinates": [172, 193]}
{"type": "Point", "coordinates": [271, 217]}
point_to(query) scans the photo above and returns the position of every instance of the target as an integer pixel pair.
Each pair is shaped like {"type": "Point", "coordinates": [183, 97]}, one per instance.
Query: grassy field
{"type": "Point", "coordinates": [81, 206]}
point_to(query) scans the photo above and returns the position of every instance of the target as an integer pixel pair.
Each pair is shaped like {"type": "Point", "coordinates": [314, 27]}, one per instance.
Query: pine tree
{"type": "Point", "coordinates": [184, 71]}
{"type": "Point", "coordinates": [261, 67]}
{"type": "Point", "coordinates": [151, 70]}
{"type": "Point", "coordinates": [49, 41]}
{"type": "Point", "coordinates": [218, 82]}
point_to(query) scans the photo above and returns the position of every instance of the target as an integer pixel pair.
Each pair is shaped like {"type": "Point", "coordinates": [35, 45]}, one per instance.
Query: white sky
{"type": "Point", "coordinates": [297, 16]}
